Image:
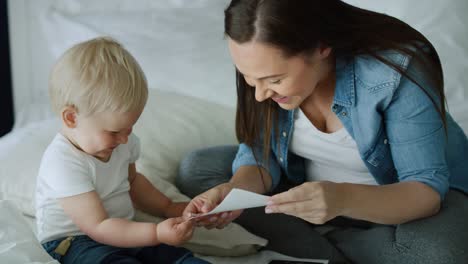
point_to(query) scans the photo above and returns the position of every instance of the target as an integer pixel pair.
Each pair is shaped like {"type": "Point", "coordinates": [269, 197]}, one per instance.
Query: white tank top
{"type": "Point", "coordinates": [328, 157]}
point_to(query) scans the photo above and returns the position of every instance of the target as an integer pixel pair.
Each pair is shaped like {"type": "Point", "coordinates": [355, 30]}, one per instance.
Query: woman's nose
{"type": "Point", "coordinates": [261, 93]}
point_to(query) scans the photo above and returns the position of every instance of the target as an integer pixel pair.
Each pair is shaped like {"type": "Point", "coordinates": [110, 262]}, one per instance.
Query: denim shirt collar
{"type": "Point", "coordinates": [345, 90]}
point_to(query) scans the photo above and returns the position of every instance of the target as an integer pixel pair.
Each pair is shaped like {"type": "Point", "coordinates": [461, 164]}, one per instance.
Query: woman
{"type": "Point", "coordinates": [347, 107]}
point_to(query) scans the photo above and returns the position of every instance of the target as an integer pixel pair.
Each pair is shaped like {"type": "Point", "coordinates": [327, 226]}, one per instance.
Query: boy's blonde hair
{"type": "Point", "coordinates": [95, 76]}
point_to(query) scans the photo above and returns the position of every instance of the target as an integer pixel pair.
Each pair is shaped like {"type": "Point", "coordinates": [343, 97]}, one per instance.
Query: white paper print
{"type": "Point", "coordinates": [237, 199]}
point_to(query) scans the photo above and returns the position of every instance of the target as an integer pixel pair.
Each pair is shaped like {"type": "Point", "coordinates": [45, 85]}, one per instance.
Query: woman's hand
{"type": "Point", "coordinates": [175, 209]}
{"type": "Point", "coordinates": [206, 202]}
{"type": "Point", "coordinates": [175, 231]}
{"type": "Point", "coordinates": [315, 202]}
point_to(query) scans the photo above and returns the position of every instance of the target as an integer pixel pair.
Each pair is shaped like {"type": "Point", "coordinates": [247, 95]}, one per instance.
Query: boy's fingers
{"type": "Point", "coordinates": [178, 220]}
{"type": "Point", "coordinates": [185, 226]}
{"type": "Point", "coordinates": [188, 216]}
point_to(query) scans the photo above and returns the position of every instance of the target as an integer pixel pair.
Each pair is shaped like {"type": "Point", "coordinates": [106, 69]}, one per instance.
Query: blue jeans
{"type": "Point", "coordinates": [437, 239]}
{"type": "Point", "coordinates": [85, 250]}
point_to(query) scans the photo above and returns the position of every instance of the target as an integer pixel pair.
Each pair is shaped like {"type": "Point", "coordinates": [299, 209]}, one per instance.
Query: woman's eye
{"type": "Point", "coordinates": [275, 81]}
{"type": "Point", "coordinates": [249, 82]}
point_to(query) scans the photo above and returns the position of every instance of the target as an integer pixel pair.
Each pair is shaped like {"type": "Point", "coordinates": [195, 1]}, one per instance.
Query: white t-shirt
{"type": "Point", "coordinates": [66, 171]}
{"type": "Point", "coordinates": [328, 157]}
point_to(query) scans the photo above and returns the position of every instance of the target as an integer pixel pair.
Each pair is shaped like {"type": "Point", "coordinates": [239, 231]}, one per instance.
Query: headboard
{"type": "Point", "coordinates": [179, 44]}
{"type": "Point", "coordinates": [6, 98]}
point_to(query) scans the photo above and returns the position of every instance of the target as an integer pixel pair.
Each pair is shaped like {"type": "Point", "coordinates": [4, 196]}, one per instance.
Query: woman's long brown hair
{"type": "Point", "coordinates": [299, 27]}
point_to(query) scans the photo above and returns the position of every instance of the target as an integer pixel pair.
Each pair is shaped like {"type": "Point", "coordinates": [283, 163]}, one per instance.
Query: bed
{"type": "Point", "coordinates": [180, 46]}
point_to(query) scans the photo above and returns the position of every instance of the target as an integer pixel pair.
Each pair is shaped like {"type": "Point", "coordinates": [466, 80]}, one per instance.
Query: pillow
{"type": "Point", "coordinates": [20, 158]}
{"type": "Point", "coordinates": [179, 44]}
{"type": "Point", "coordinates": [170, 126]}
{"type": "Point", "coordinates": [18, 244]}
{"type": "Point", "coordinates": [444, 24]}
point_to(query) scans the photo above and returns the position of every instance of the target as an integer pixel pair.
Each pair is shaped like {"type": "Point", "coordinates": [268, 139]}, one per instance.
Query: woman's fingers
{"type": "Point", "coordinates": [193, 208]}
{"type": "Point", "coordinates": [219, 221]}
{"type": "Point", "coordinates": [292, 208]}
{"type": "Point", "coordinates": [316, 202]}
{"type": "Point", "coordinates": [210, 202]}
{"type": "Point", "coordinates": [227, 218]}
{"type": "Point", "coordinates": [298, 193]}
{"type": "Point", "coordinates": [206, 202]}
{"type": "Point", "coordinates": [203, 203]}
{"type": "Point", "coordinates": [214, 196]}
{"type": "Point", "coordinates": [308, 210]}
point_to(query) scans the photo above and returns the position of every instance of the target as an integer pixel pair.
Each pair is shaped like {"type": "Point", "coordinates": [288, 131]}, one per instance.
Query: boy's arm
{"type": "Point", "coordinates": [149, 199]}
{"type": "Point", "coordinates": [88, 213]}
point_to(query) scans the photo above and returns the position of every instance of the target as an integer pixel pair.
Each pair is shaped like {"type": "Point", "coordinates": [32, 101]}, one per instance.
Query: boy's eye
{"type": "Point", "coordinates": [128, 131]}
{"type": "Point", "coordinates": [275, 81]}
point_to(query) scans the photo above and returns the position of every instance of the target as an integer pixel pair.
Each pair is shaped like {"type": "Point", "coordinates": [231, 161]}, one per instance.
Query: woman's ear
{"type": "Point", "coordinates": [69, 114]}
{"type": "Point", "coordinates": [324, 51]}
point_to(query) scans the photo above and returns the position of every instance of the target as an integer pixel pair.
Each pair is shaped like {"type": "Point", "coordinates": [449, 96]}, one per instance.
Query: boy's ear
{"type": "Point", "coordinates": [69, 114]}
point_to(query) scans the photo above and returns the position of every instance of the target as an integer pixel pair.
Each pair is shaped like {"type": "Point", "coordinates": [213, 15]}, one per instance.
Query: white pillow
{"type": "Point", "coordinates": [444, 24]}
{"type": "Point", "coordinates": [18, 244]}
{"type": "Point", "coordinates": [179, 44]}
{"type": "Point", "coordinates": [170, 126]}
{"type": "Point", "coordinates": [20, 158]}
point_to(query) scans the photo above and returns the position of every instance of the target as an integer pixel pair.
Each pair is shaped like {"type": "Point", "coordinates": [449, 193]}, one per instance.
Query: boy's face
{"type": "Point", "coordinates": [99, 134]}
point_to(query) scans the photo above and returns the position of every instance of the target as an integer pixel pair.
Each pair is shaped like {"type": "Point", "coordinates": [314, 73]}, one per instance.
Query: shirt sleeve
{"type": "Point", "coordinates": [245, 157]}
{"type": "Point", "coordinates": [416, 133]}
{"type": "Point", "coordinates": [65, 173]}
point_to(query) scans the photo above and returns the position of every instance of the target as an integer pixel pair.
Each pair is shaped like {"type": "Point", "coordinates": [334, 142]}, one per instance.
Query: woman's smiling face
{"type": "Point", "coordinates": [286, 80]}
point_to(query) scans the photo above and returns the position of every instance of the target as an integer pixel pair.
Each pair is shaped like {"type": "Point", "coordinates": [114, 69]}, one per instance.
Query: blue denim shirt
{"type": "Point", "coordinates": [397, 129]}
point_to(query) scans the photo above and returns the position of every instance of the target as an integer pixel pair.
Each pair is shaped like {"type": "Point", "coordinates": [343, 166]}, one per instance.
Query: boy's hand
{"type": "Point", "coordinates": [175, 231]}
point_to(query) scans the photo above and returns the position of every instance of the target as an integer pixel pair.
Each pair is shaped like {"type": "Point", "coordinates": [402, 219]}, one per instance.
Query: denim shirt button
{"type": "Point", "coordinates": [344, 114]}
{"type": "Point", "coordinates": [281, 159]}
{"type": "Point", "coordinates": [385, 141]}
{"type": "Point", "coordinates": [285, 134]}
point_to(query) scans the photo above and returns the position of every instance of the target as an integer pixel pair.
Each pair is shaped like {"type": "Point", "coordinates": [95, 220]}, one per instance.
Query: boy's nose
{"type": "Point", "coordinates": [123, 139]}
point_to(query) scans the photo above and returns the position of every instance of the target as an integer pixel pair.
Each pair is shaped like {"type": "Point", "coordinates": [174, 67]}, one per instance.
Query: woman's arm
{"type": "Point", "coordinates": [390, 204]}
{"type": "Point", "coordinates": [318, 202]}
{"type": "Point", "coordinates": [249, 178]}
{"type": "Point", "coordinates": [245, 167]}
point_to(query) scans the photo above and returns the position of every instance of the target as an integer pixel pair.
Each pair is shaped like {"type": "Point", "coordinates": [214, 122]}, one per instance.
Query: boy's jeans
{"type": "Point", "coordinates": [85, 250]}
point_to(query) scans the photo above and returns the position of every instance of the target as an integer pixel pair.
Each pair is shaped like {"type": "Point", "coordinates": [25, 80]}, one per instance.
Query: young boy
{"type": "Point", "coordinates": [87, 185]}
